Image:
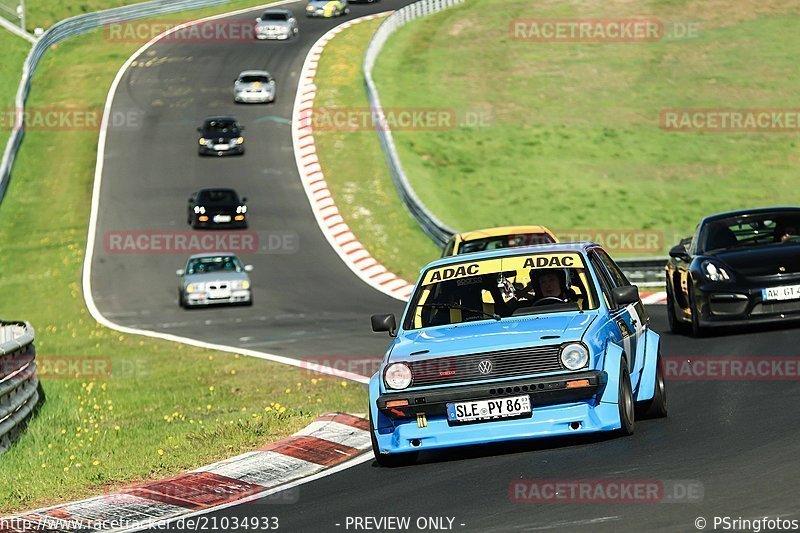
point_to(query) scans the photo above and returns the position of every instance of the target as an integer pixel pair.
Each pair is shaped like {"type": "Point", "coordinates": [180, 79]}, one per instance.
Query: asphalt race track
{"type": "Point", "coordinates": [306, 303]}
{"type": "Point", "coordinates": [738, 440]}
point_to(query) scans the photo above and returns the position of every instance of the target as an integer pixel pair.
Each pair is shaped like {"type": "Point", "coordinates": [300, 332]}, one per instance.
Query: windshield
{"type": "Point", "coordinates": [492, 289]}
{"type": "Point", "coordinates": [220, 196]}
{"type": "Point", "coordinates": [504, 241]}
{"type": "Point", "coordinates": [221, 126]}
{"type": "Point", "coordinates": [254, 79]}
{"type": "Point", "coordinates": [778, 227]}
{"type": "Point", "coordinates": [219, 263]}
{"type": "Point", "coordinates": [275, 16]}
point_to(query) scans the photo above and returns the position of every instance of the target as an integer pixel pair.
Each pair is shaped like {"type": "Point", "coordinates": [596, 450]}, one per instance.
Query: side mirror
{"type": "Point", "coordinates": [258, 19]}
{"type": "Point", "coordinates": [199, 130]}
{"type": "Point", "coordinates": [629, 294]}
{"type": "Point", "coordinates": [679, 252]}
{"type": "Point", "coordinates": [248, 268]}
{"type": "Point", "coordinates": [180, 272]}
{"type": "Point", "coordinates": [384, 323]}
{"type": "Point", "coordinates": [244, 199]}
{"type": "Point", "coordinates": [242, 128]}
{"type": "Point", "coordinates": [191, 199]}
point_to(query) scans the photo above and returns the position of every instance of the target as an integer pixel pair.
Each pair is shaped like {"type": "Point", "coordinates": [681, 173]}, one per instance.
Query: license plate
{"type": "Point", "coordinates": [488, 409]}
{"type": "Point", "coordinates": [788, 292]}
{"type": "Point", "coordinates": [221, 219]}
{"type": "Point", "coordinates": [221, 147]}
{"type": "Point", "coordinates": [218, 294]}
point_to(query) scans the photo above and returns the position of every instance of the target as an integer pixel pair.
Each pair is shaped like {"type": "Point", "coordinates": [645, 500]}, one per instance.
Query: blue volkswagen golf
{"type": "Point", "coordinates": [514, 344]}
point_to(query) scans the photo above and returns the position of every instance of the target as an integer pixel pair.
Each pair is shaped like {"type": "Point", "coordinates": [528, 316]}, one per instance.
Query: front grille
{"type": "Point", "coordinates": [504, 364]}
{"type": "Point", "coordinates": [217, 285]}
{"type": "Point", "coordinates": [769, 308]}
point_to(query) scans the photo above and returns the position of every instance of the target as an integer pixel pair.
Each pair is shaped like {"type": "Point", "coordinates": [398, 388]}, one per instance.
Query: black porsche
{"type": "Point", "coordinates": [221, 136]}
{"type": "Point", "coordinates": [217, 208]}
{"type": "Point", "coordinates": [740, 267]}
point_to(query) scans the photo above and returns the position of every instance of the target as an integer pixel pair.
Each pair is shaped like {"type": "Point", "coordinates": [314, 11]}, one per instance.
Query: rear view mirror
{"type": "Point", "coordinates": [679, 252]}
{"type": "Point", "coordinates": [626, 295]}
{"type": "Point", "coordinates": [384, 323]}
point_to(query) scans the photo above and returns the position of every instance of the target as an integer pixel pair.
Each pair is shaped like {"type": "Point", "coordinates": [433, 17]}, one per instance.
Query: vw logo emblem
{"type": "Point", "coordinates": [485, 366]}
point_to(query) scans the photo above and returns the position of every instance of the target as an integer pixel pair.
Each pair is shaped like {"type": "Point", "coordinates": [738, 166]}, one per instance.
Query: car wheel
{"type": "Point", "coordinates": [181, 301]}
{"type": "Point", "coordinates": [625, 401]}
{"type": "Point", "coordinates": [389, 461]}
{"type": "Point", "coordinates": [657, 406]}
{"type": "Point", "coordinates": [697, 330]}
{"type": "Point", "coordinates": [675, 325]}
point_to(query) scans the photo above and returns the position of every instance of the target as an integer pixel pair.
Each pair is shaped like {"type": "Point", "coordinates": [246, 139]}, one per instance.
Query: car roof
{"type": "Point", "coordinates": [212, 254]}
{"type": "Point", "coordinates": [281, 11]}
{"type": "Point", "coordinates": [580, 247]}
{"type": "Point", "coordinates": [254, 73]}
{"type": "Point", "coordinates": [501, 230]}
{"type": "Point", "coordinates": [747, 212]}
{"type": "Point", "coordinates": [216, 189]}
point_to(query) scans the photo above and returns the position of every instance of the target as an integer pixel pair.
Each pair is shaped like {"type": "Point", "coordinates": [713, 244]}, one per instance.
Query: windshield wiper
{"type": "Point", "coordinates": [461, 308]}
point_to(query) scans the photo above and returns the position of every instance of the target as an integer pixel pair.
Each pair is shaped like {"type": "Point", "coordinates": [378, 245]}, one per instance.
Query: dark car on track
{"type": "Point", "coordinates": [217, 208]}
{"type": "Point", "coordinates": [221, 136]}
{"type": "Point", "coordinates": [740, 267]}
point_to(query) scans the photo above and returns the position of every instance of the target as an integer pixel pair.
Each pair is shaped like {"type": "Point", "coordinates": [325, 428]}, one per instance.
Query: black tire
{"type": "Point", "coordinates": [181, 301]}
{"type": "Point", "coordinates": [675, 325]}
{"type": "Point", "coordinates": [625, 401]}
{"type": "Point", "coordinates": [390, 461]}
{"type": "Point", "coordinates": [696, 330]}
{"type": "Point", "coordinates": [657, 406]}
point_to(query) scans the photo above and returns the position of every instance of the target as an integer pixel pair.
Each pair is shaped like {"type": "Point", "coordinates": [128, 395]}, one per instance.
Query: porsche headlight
{"type": "Point", "coordinates": [397, 376]}
{"type": "Point", "coordinates": [574, 356]}
{"type": "Point", "coordinates": [241, 209]}
{"type": "Point", "coordinates": [714, 272]}
{"type": "Point", "coordinates": [199, 209]}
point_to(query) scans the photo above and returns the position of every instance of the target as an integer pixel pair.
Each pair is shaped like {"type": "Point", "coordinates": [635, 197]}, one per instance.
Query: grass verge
{"type": "Point", "coordinates": [354, 164]}
{"type": "Point", "coordinates": [137, 408]}
{"type": "Point", "coordinates": [15, 50]}
{"type": "Point", "coordinates": [573, 137]}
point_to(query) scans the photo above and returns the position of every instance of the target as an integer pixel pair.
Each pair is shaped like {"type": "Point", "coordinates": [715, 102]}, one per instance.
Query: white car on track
{"type": "Point", "coordinates": [254, 87]}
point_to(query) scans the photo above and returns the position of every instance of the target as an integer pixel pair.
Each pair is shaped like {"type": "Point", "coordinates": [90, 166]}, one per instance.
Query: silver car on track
{"type": "Point", "coordinates": [276, 24]}
{"type": "Point", "coordinates": [209, 279]}
{"type": "Point", "coordinates": [254, 87]}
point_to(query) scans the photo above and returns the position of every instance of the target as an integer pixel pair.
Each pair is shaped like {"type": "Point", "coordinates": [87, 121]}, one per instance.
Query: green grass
{"type": "Point", "coordinates": [194, 405]}
{"type": "Point", "coordinates": [354, 164]}
{"type": "Point", "coordinates": [574, 139]}
{"type": "Point", "coordinates": [15, 50]}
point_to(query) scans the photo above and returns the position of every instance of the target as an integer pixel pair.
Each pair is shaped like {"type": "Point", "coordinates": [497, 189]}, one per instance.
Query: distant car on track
{"type": "Point", "coordinates": [221, 135]}
{"type": "Point", "coordinates": [210, 279]}
{"type": "Point", "coordinates": [517, 343]}
{"type": "Point", "coordinates": [484, 240]}
{"type": "Point", "coordinates": [254, 87]}
{"type": "Point", "coordinates": [327, 8]}
{"type": "Point", "coordinates": [217, 208]}
{"type": "Point", "coordinates": [276, 24]}
{"type": "Point", "coordinates": [740, 267]}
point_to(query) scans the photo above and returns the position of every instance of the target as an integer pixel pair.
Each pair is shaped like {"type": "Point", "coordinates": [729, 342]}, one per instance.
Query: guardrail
{"type": "Point", "coordinates": [19, 384]}
{"type": "Point", "coordinates": [64, 30]}
{"type": "Point", "coordinates": [642, 271]}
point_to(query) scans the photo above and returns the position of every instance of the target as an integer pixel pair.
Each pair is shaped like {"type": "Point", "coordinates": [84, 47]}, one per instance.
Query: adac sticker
{"type": "Point", "coordinates": [527, 262]}
{"type": "Point", "coordinates": [493, 266]}
{"type": "Point", "coordinates": [462, 270]}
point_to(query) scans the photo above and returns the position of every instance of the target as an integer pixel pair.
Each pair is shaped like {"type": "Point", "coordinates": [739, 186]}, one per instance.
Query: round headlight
{"type": "Point", "coordinates": [574, 356]}
{"type": "Point", "coordinates": [397, 376]}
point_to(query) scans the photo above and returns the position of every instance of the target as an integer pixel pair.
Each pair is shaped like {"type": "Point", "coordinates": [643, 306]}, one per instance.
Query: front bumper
{"type": "Point", "coordinates": [210, 224]}
{"type": "Point", "coordinates": [321, 14]}
{"type": "Point", "coordinates": [556, 410]}
{"type": "Point", "coordinates": [731, 305]}
{"type": "Point", "coordinates": [254, 98]}
{"type": "Point", "coordinates": [273, 36]}
{"type": "Point", "coordinates": [198, 299]}
{"type": "Point", "coordinates": [232, 150]}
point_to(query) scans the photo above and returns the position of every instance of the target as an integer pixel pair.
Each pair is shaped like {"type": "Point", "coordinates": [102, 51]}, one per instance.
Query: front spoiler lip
{"type": "Point", "coordinates": [547, 390]}
{"type": "Point", "coordinates": [753, 295]}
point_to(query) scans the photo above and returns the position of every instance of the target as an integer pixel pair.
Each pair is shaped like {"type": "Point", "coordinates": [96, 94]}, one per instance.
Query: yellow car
{"type": "Point", "coordinates": [495, 238]}
{"type": "Point", "coordinates": [327, 8]}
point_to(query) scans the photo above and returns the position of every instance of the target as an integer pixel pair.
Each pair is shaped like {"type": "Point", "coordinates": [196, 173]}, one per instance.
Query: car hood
{"type": "Point", "coordinates": [221, 135]}
{"type": "Point", "coordinates": [318, 3]}
{"type": "Point", "coordinates": [761, 260]}
{"type": "Point", "coordinates": [484, 336]}
{"type": "Point", "coordinates": [215, 276]}
{"type": "Point", "coordinates": [254, 85]}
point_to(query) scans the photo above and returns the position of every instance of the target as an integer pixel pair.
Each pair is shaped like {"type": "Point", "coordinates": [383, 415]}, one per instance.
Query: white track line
{"type": "Point", "coordinates": [98, 179]}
